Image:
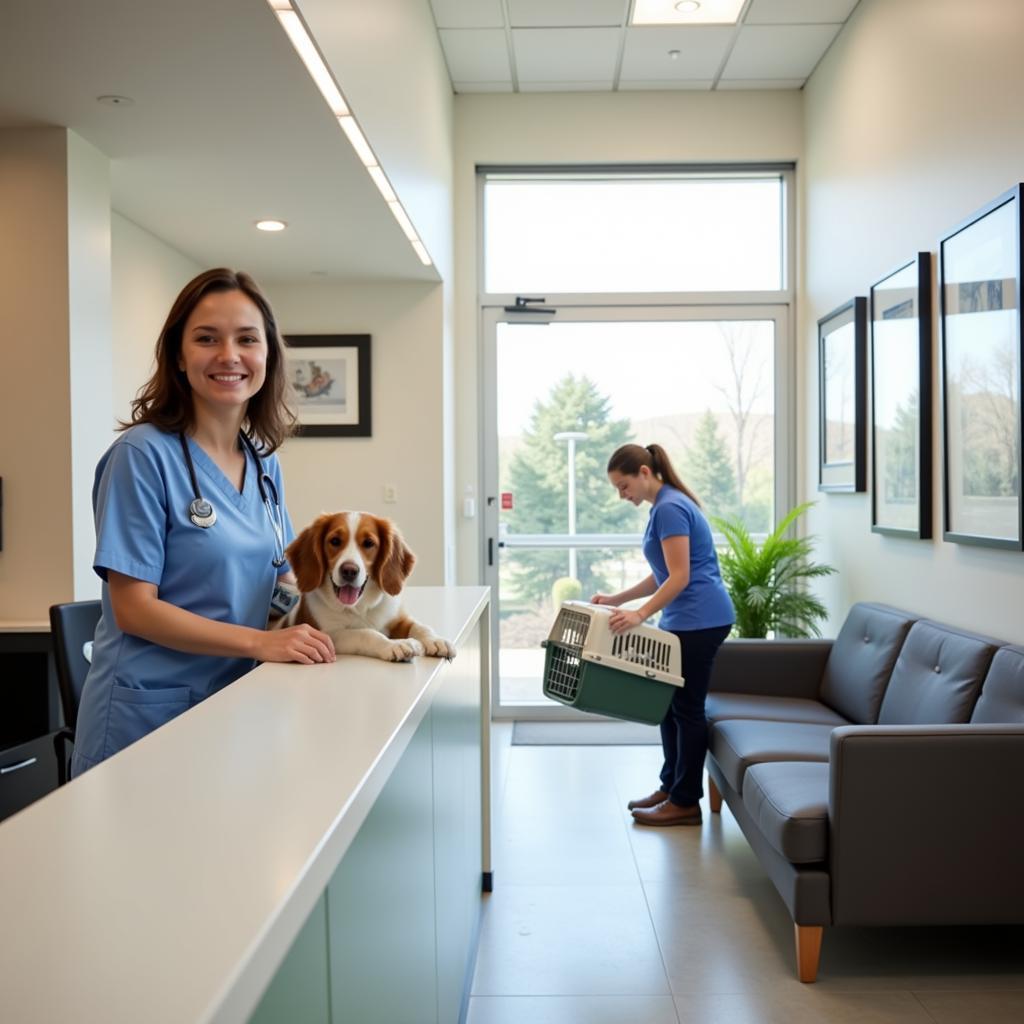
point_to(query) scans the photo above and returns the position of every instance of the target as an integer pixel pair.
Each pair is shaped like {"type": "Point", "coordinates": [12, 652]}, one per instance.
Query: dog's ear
{"type": "Point", "coordinates": [305, 554]}
{"type": "Point", "coordinates": [395, 561]}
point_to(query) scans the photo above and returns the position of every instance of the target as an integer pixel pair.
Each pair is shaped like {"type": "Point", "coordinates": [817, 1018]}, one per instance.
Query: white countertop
{"type": "Point", "coordinates": [167, 883]}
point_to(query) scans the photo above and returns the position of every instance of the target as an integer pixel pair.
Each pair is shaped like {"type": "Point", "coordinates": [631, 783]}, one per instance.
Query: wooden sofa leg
{"type": "Point", "coordinates": [808, 951]}
{"type": "Point", "coordinates": [714, 797]}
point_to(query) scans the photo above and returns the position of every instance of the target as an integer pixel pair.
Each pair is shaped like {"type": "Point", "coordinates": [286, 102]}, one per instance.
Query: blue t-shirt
{"type": "Point", "coordinates": [141, 499]}
{"type": "Point", "coordinates": [704, 602]}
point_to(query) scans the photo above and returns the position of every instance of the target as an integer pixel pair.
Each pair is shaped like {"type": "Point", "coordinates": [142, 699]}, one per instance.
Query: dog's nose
{"type": "Point", "coordinates": [349, 572]}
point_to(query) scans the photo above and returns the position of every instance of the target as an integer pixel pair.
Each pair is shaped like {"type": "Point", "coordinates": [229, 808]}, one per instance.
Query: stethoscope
{"type": "Point", "coordinates": [203, 514]}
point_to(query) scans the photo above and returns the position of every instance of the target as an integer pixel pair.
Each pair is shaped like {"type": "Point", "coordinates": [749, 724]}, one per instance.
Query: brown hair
{"type": "Point", "coordinates": [165, 400]}
{"type": "Point", "coordinates": [630, 457]}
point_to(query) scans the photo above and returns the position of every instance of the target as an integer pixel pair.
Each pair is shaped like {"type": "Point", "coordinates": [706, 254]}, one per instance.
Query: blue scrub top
{"type": "Point", "coordinates": [141, 498]}
{"type": "Point", "coordinates": [704, 603]}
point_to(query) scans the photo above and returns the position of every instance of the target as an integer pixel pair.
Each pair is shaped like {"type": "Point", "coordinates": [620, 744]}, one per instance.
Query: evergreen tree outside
{"type": "Point", "coordinates": [708, 471]}
{"type": "Point", "coordinates": [537, 478]}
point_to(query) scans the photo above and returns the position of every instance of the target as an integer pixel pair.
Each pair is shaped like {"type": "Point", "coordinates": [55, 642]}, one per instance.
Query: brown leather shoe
{"type": "Point", "coordinates": [653, 800]}
{"type": "Point", "coordinates": [668, 813]}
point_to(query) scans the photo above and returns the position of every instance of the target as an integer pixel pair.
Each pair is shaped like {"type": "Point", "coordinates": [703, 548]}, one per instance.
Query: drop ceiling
{"type": "Point", "coordinates": [588, 45]}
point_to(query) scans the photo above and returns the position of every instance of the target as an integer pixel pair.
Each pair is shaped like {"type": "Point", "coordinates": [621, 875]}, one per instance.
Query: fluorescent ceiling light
{"type": "Point", "coordinates": [271, 225]}
{"type": "Point", "coordinates": [686, 12]}
{"type": "Point", "coordinates": [358, 140]}
{"type": "Point", "coordinates": [382, 183]}
{"type": "Point", "coordinates": [292, 24]}
{"type": "Point", "coordinates": [422, 253]}
{"type": "Point", "coordinates": [403, 221]}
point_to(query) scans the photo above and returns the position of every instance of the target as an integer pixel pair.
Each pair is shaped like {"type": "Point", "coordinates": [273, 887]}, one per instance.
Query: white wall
{"type": "Point", "coordinates": [913, 120]}
{"type": "Point", "coordinates": [580, 128]}
{"type": "Point", "coordinates": [406, 447]}
{"type": "Point", "coordinates": [147, 276]}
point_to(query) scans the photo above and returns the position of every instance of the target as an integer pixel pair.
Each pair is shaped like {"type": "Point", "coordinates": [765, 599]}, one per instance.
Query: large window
{"type": "Point", "coordinates": [634, 233]}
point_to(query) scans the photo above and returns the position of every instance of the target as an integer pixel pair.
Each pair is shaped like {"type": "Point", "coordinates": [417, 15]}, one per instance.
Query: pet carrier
{"type": "Point", "coordinates": [628, 675]}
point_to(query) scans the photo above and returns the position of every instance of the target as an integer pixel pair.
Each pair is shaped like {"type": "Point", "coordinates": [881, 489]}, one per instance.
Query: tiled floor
{"type": "Point", "coordinates": [595, 920]}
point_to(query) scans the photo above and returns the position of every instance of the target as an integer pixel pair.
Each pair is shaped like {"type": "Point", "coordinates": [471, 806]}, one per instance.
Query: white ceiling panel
{"type": "Point", "coordinates": [799, 12]}
{"type": "Point", "coordinates": [566, 54]}
{"type": "Point", "coordinates": [667, 85]}
{"type": "Point", "coordinates": [468, 13]}
{"type": "Point", "coordinates": [482, 86]}
{"type": "Point", "coordinates": [700, 53]}
{"type": "Point", "coordinates": [566, 13]}
{"type": "Point", "coordinates": [476, 54]}
{"type": "Point", "coordinates": [760, 83]}
{"type": "Point", "coordinates": [602, 86]}
{"type": "Point", "coordinates": [779, 51]}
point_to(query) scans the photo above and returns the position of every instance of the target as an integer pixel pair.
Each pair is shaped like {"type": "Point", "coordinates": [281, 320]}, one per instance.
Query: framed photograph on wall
{"type": "Point", "coordinates": [979, 296]}
{"type": "Point", "coordinates": [901, 400]}
{"type": "Point", "coordinates": [329, 375]}
{"type": "Point", "coordinates": [842, 397]}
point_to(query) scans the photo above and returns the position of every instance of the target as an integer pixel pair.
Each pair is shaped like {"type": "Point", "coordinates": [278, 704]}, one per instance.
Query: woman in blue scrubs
{"type": "Point", "coordinates": [685, 585]}
{"type": "Point", "coordinates": [190, 533]}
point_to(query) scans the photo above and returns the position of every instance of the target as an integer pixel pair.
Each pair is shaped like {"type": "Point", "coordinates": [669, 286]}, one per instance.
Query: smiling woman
{"type": "Point", "coordinates": [189, 559]}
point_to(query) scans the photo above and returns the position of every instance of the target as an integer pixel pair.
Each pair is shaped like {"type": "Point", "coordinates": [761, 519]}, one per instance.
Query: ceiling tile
{"type": "Point", "coordinates": [566, 13]}
{"type": "Point", "coordinates": [464, 87]}
{"type": "Point", "coordinates": [565, 54]}
{"type": "Point", "coordinates": [779, 51]}
{"type": "Point", "coordinates": [468, 13]}
{"type": "Point", "coordinates": [760, 83]}
{"type": "Point", "coordinates": [798, 12]}
{"type": "Point", "coordinates": [666, 85]}
{"type": "Point", "coordinates": [701, 51]}
{"type": "Point", "coordinates": [602, 86]}
{"type": "Point", "coordinates": [476, 54]}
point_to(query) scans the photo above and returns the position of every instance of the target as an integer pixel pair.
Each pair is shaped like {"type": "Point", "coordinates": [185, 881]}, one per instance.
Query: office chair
{"type": "Point", "coordinates": [72, 626]}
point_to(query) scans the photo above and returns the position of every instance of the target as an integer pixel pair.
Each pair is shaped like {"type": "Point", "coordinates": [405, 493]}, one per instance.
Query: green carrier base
{"type": "Point", "coordinates": [588, 686]}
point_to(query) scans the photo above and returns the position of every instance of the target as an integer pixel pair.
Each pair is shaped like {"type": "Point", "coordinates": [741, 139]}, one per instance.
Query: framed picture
{"type": "Point", "coordinates": [330, 379]}
{"type": "Point", "coordinates": [842, 374]}
{"type": "Point", "coordinates": [901, 400]}
{"type": "Point", "coordinates": [979, 295]}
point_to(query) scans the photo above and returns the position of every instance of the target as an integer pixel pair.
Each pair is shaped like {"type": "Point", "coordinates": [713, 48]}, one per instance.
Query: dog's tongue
{"type": "Point", "coordinates": [348, 595]}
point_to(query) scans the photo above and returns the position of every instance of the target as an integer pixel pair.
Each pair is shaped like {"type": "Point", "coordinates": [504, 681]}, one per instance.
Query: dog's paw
{"type": "Point", "coordinates": [436, 647]}
{"type": "Point", "coordinates": [402, 650]}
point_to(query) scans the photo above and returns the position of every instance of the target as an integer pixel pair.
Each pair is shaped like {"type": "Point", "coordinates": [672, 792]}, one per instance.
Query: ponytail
{"type": "Point", "coordinates": [630, 457]}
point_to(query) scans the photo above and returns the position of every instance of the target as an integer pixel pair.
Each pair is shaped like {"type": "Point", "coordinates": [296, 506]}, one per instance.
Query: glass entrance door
{"type": "Point", "coordinates": [561, 395]}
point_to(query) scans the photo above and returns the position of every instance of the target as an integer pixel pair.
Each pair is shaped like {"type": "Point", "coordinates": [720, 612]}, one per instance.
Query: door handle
{"type": "Point", "coordinates": [21, 764]}
{"type": "Point", "coordinates": [490, 551]}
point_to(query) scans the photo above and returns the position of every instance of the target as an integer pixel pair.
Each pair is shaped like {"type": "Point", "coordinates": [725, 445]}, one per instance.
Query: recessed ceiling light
{"type": "Point", "coordinates": [116, 101]}
{"type": "Point", "coordinates": [271, 225]}
{"type": "Point", "coordinates": [686, 12]}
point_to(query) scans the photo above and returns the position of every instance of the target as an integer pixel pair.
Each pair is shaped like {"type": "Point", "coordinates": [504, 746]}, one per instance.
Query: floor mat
{"type": "Point", "coordinates": [588, 734]}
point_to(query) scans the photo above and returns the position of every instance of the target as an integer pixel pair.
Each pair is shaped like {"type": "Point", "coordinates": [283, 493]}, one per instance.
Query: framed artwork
{"type": "Point", "coordinates": [329, 376]}
{"type": "Point", "coordinates": [901, 400]}
{"type": "Point", "coordinates": [842, 396]}
{"type": "Point", "coordinates": [979, 295]}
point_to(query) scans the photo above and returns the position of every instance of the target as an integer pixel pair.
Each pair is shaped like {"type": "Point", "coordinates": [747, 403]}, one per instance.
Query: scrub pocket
{"type": "Point", "coordinates": [135, 713]}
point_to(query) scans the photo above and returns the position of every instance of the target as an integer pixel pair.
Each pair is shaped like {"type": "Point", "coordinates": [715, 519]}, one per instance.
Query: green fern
{"type": "Point", "coordinates": [766, 582]}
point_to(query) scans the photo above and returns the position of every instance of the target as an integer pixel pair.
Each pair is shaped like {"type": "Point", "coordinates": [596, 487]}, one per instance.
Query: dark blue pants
{"type": "Point", "coordinates": [684, 729]}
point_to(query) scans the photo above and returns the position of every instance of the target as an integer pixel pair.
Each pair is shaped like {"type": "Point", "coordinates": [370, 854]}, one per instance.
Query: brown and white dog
{"type": "Point", "coordinates": [350, 568]}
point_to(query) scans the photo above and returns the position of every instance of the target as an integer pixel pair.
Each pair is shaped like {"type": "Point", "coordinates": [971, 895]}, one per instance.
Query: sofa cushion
{"type": "Point", "coordinates": [789, 802]}
{"type": "Point", "coordinates": [721, 706]}
{"type": "Point", "coordinates": [1002, 692]}
{"type": "Point", "coordinates": [862, 659]}
{"type": "Point", "coordinates": [937, 676]}
{"type": "Point", "coordinates": [737, 743]}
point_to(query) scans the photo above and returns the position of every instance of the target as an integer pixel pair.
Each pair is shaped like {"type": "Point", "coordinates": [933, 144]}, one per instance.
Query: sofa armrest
{"type": "Point", "coordinates": [926, 824]}
{"type": "Point", "coordinates": [771, 668]}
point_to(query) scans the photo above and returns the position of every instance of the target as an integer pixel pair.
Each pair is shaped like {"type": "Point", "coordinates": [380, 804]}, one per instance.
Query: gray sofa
{"type": "Point", "coordinates": [878, 777]}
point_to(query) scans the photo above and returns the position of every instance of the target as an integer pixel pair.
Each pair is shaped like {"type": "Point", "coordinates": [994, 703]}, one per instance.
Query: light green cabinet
{"type": "Point", "coordinates": [392, 938]}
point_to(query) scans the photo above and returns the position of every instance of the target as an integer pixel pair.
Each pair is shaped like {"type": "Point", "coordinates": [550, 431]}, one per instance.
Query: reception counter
{"type": "Point", "coordinates": [307, 845]}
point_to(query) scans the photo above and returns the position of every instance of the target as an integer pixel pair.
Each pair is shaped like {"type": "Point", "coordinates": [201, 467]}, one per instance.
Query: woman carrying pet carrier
{"type": "Point", "coordinates": [685, 585]}
{"type": "Point", "coordinates": [191, 524]}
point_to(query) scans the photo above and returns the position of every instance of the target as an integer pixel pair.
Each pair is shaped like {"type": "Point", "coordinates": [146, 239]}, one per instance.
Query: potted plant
{"type": "Point", "coordinates": [766, 581]}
